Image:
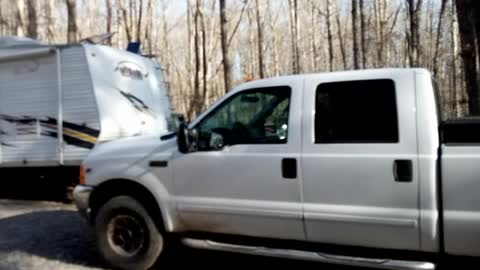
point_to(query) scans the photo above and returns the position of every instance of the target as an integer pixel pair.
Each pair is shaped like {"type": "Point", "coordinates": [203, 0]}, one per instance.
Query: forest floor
{"type": "Point", "coordinates": [44, 235]}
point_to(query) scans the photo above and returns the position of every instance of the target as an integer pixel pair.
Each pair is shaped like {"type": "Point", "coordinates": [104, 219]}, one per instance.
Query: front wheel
{"type": "Point", "coordinates": [127, 236]}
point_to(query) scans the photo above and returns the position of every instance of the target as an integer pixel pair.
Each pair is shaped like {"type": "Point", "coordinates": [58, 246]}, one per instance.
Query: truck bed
{"type": "Point", "coordinates": [464, 130]}
{"type": "Point", "coordinates": [460, 183]}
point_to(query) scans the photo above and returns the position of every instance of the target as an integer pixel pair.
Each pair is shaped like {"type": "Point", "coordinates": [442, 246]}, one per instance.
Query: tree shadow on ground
{"type": "Point", "coordinates": [62, 235]}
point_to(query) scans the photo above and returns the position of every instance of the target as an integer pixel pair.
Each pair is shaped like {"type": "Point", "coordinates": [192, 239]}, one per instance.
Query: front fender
{"type": "Point", "coordinates": [159, 188]}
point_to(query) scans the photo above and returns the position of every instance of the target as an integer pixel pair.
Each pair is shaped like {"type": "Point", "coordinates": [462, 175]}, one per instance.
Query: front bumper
{"type": "Point", "coordinates": [81, 196]}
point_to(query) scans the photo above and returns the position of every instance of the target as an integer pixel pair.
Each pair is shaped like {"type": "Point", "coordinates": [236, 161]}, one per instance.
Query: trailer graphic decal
{"type": "Point", "coordinates": [73, 134]}
{"type": "Point", "coordinates": [137, 103]}
{"type": "Point", "coordinates": [130, 70]}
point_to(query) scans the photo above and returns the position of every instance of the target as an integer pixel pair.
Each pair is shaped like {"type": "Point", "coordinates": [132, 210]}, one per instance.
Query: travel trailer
{"type": "Point", "coordinates": [57, 102]}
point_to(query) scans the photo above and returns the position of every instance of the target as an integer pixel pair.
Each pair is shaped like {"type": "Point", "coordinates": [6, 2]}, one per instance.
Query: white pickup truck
{"type": "Point", "coordinates": [349, 168]}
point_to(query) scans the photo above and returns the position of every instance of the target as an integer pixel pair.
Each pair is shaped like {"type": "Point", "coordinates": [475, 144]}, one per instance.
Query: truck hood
{"type": "Point", "coordinates": [125, 152]}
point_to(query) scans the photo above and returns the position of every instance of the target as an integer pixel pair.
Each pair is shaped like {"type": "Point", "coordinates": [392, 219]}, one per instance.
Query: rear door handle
{"type": "Point", "coordinates": [289, 168]}
{"type": "Point", "coordinates": [403, 170]}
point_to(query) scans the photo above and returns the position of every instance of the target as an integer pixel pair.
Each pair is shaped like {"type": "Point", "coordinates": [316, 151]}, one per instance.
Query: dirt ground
{"type": "Point", "coordinates": [49, 236]}
{"type": "Point", "coordinates": [44, 235]}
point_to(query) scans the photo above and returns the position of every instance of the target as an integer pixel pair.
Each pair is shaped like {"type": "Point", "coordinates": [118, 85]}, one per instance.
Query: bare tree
{"type": "Point", "coordinates": [294, 36]}
{"type": "Point", "coordinates": [275, 43]}
{"type": "Point", "coordinates": [72, 21]}
{"type": "Point", "coordinates": [126, 20]}
{"type": "Point", "coordinates": [20, 18]}
{"type": "Point", "coordinates": [204, 58]}
{"type": "Point", "coordinates": [340, 41]}
{"type": "Point", "coordinates": [476, 16]}
{"type": "Point", "coordinates": [467, 37]}
{"type": "Point", "coordinates": [149, 26]}
{"type": "Point", "coordinates": [329, 36]}
{"type": "Point", "coordinates": [195, 101]}
{"type": "Point", "coordinates": [227, 80]}
{"type": "Point", "coordinates": [457, 96]}
{"type": "Point", "coordinates": [272, 41]}
{"type": "Point", "coordinates": [414, 10]}
{"type": "Point", "coordinates": [50, 20]}
{"type": "Point", "coordinates": [355, 35]}
{"type": "Point", "coordinates": [439, 38]}
{"type": "Point", "coordinates": [363, 32]}
{"type": "Point", "coordinates": [313, 36]}
{"type": "Point", "coordinates": [32, 19]}
{"type": "Point", "coordinates": [259, 40]}
{"type": "Point", "coordinates": [139, 21]}
{"type": "Point", "coordinates": [108, 5]}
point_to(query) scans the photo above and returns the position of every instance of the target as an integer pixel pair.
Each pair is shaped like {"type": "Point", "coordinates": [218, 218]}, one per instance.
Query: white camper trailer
{"type": "Point", "coordinates": [58, 101]}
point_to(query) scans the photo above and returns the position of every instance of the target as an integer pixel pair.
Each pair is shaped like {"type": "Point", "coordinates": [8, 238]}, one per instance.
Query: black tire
{"type": "Point", "coordinates": [127, 236]}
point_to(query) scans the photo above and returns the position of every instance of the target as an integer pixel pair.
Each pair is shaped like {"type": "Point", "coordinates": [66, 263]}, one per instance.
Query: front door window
{"type": "Point", "coordinates": [258, 116]}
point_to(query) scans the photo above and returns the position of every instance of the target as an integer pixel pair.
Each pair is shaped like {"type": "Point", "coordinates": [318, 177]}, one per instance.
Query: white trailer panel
{"type": "Point", "coordinates": [86, 93]}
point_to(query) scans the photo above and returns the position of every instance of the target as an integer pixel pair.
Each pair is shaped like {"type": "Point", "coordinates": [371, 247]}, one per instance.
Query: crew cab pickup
{"type": "Point", "coordinates": [350, 167]}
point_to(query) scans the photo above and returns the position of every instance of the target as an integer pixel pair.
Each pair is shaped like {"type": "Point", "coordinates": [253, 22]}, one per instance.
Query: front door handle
{"type": "Point", "coordinates": [289, 168]}
{"type": "Point", "coordinates": [403, 170]}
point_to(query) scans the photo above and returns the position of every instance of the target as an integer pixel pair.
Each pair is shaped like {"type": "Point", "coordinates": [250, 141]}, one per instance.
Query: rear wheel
{"type": "Point", "coordinates": [127, 236]}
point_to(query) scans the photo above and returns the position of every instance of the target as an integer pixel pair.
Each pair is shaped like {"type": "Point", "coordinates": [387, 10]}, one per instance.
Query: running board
{"type": "Point", "coordinates": [308, 255]}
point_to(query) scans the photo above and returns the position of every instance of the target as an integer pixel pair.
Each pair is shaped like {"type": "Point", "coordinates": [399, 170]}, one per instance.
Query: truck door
{"type": "Point", "coordinates": [359, 158]}
{"type": "Point", "coordinates": [243, 178]}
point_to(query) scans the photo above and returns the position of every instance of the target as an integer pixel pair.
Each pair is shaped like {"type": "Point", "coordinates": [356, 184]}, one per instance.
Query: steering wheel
{"type": "Point", "coordinates": [240, 133]}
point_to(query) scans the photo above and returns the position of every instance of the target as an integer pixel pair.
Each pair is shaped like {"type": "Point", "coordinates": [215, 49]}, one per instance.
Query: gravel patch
{"type": "Point", "coordinates": [39, 235]}
{"type": "Point", "coordinates": [44, 235]}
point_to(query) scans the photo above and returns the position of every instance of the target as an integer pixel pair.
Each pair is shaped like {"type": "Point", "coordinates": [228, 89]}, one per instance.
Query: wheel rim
{"type": "Point", "coordinates": [126, 235]}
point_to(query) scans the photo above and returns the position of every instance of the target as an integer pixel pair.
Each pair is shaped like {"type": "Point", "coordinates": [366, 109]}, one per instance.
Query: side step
{"type": "Point", "coordinates": [308, 255]}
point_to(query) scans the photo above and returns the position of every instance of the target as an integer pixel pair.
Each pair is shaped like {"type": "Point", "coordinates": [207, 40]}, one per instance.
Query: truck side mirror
{"type": "Point", "coordinates": [175, 121]}
{"type": "Point", "coordinates": [182, 138]}
{"type": "Point", "coordinates": [187, 139]}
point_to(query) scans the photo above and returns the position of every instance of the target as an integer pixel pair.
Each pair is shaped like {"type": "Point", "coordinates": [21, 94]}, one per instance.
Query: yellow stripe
{"type": "Point", "coordinates": [80, 135]}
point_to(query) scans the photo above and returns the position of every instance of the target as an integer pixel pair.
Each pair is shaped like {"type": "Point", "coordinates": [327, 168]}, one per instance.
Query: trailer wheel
{"type": "Point", "coordinates": [127, 236]}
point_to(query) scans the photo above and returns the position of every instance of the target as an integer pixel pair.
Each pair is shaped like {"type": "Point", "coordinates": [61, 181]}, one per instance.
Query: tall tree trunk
{"type": "Point", "coordinates": [457, 97]}
{"type": "Point", "coordinates": [108, 6]}
{"type": "Point", "coordinates": [259, 41]}
{"type": "Point", "coordinates": [139, 22]}
{"type": "Point", "coordinates": [294, 34]}
{"type": "Point", "coordinates": [363, 32]}
{"type": "Point", "coordinates": [378, 34]}
{"type": "Point", "coordinates": [20, 18]}
{"type": "Point", "coordinates": [251, 45]}
{"type": "Point", "coordinates": [32, 19]}
{"type": "Point", "coordinates": [340, 40]}
{"type": "Point", "coordinates": [476, 16]}
{"type": "Point", "coordinates": [72, 21]}
{"type": "Point", "coordinates": [50, 20]}
{"type": "Point", "coordinates": [276, 65]}
{"type": "Point", "coordinates": [414, 10]}
{"type": "Point", "coordinates": [131, 15]}
{"type": "Point", "coordinates": [2, 20]}
{"type": "Point", "coordinates": [195, 102]}
{"type": "Point", "coordinates": [329, 37]}
{"type": "Point", "coordinates": [439, 38]}
{"type": "Point", "coordinates": [438, 88]}
{"type": "Point", "coordinates": [204, 62]}
{"type": "Point", "coordinates": [227, 77]}
{"type": "Point", "coordinates": [355, 35]}
{"type": "Point", "coordinates": [126, 24]}
{"type": "Point", "coordinates": [149, 26]}
{"type": "Point", "coordinates": [467, 38]}
{"type": "Point", "coordinates": [430, 13]}
{"type": "Point", "coordinates": [165, 40]}
{"type": "Point", "coordinates": [313, 40]}
{"type": "Point", "coordinates": [380, 8]}
{"type": "Point", "coordinates": [190, 85]}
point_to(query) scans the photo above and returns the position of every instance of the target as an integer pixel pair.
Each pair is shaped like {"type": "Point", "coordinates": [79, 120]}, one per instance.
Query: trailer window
{"type": "Point", "coordinates": [356, 112]}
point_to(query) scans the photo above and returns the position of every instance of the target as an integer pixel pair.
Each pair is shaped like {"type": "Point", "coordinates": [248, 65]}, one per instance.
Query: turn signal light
{"type": "Point", "coordinates": [82, 175]}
